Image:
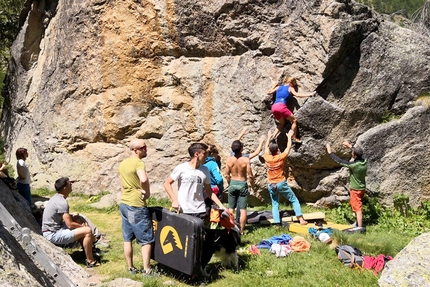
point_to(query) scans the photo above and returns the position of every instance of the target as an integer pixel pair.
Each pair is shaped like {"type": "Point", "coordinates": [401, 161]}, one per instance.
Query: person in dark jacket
{"type": "Point", "coordinates": [357, 178]}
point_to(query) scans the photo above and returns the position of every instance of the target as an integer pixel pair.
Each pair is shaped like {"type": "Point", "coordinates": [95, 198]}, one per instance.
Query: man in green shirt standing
{"type": "Point", "coordinates": [357, 179]}
{"type": "Point", "coordinates": [136, 219]}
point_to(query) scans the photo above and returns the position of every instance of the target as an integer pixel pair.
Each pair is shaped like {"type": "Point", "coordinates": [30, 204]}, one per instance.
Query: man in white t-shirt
{"type": "Point", "coordinates": [193, 186]}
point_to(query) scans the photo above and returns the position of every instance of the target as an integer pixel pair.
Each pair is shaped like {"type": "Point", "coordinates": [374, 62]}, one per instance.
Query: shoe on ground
{"type": "Point", "coordinates": [102, 237]}
{"type": "Point", "coordinates": [95, 263]}
{"type": "Point", "coordinates": [151, 273]}
{"type": "Point", "coordinates": [285, 225]}
{"type": "Point", "coordinates": [354, 224]}
{"type": "Point", "coordinates": [133, 270]}
{"type": "Point", "coordinates": [97, 252]}
{"type": "Point", "coordinates": [101, 243]}
{"type": "Point", "coordinates": [356, 230]}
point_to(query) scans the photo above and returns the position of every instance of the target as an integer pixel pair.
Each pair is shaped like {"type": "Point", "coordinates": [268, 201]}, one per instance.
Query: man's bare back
{"type": "Point", "coordinates": [238, 167]}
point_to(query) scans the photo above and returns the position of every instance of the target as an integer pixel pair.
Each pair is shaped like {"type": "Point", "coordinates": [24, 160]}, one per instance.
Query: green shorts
{"type": "Point", "coordinates": [238, 194]}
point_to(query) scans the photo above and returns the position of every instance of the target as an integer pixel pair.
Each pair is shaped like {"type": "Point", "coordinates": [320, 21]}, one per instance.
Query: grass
{"type": "Point", "coordinates": [389, 116]}
{"type": "Point", "coordinates": [317, 267]}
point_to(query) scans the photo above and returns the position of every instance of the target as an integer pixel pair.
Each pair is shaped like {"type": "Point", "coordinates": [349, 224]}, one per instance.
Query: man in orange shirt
{"type": "Point", "coordinates": [277, 181]}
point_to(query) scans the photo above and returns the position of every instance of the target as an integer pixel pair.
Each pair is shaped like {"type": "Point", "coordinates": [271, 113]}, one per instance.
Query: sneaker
{"type": "Point", "coordinates": [102, 243]}
{"type": "Point", "coordinates": [354, 224]}
{"type": "Point", "coordinates": [356, 229]}
{"type": "Point", "coordinates": [150, 274]}
{"type": "Point", "coordinates": [133, 270]}
{"type": "Point", "coordinates": [103, 238]}
{"type": "Point", "coordinates": [97, 252]}
{"type": "Point", "coordinates": [95, 263]}
{"type": "Point", "coordinates": [285, 225]}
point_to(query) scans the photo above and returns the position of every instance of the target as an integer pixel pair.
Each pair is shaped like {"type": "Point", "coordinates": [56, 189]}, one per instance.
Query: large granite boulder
{"type": "Point", "coordinates": [410, 267]}
{"type": "Point", "coordinates": [86, 76]}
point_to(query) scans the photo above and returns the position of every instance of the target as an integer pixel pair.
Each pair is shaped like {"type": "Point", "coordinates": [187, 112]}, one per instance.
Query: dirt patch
{"type": "Point", "coordinates": [96, 278]}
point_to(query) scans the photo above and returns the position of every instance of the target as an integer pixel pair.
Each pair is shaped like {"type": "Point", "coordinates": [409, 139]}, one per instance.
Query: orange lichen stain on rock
{"type": "Point", "coordinates": [132, 38]}
{"type": "Point", "coordinates": [208, 104]}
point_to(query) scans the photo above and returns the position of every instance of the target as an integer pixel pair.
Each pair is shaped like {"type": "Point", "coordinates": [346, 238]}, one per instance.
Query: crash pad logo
{"type": "Point", "coordinates": [169, 235]}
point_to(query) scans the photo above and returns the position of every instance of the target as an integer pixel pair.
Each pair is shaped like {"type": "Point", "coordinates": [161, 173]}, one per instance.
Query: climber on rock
{"type": "Point", "coordinates": [279, 108]}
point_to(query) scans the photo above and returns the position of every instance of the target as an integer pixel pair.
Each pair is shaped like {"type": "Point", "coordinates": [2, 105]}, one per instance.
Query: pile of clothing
{"type": "Point", "coordinates": [284, 244]}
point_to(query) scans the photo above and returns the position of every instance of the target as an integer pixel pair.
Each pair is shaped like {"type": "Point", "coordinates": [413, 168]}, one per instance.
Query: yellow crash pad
{"type": "Point", "coordinates": [306, 216]}
{"type": "Point", "coordinates": [303, 229]}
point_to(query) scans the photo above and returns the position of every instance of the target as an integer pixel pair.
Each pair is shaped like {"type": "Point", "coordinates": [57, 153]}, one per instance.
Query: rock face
{"type": "Point", "coordinates": [86, 76]}
{"type": "Point", "coordinates": [410, 266]}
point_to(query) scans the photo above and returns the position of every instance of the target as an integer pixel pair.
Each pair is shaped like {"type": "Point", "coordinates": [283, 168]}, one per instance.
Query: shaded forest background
{"type": "Point", "coordinates": [10, 22]}
{"type": "Point", "coordinates": [9, 28]}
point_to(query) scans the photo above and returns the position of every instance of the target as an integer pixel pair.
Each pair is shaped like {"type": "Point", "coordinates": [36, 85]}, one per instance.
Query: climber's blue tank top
{"type": "Point", "coordinates": [282, 95]}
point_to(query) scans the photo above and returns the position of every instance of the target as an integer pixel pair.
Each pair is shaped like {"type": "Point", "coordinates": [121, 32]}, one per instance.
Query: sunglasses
{"type": "Point", "coordinates": [142, 148]}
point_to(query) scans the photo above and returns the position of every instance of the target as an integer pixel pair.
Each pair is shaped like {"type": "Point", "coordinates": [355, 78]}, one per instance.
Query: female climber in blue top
{"type": "Point", "coordinates": [279, 108]}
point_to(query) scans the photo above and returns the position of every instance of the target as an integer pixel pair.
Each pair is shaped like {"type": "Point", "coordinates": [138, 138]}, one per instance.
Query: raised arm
{"type": "Point", "coordinates": [260, 146]}
{"type": "Point", "coordinates": [301, 95]}
{"type": "Point", "coordinates": [290, 142]}
{"type": "Point", "coordinates": [266, 148]}
{"type": "Point", "coordinates": [328, 147]}
{"type": "Point", "coordinates": [273, 89]}
{"type": "Point", "coordinates": [347, 144]}
{"type": "Point", "coordinates": [242, 133]}
{"type": "Point", "coordinates": [250, 175]}
{"type": "Point", "coordinates": [336, 158]}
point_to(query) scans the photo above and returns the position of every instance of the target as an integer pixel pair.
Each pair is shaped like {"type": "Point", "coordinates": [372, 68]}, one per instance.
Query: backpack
{"type": "Point", "coordinates": [349, 256]}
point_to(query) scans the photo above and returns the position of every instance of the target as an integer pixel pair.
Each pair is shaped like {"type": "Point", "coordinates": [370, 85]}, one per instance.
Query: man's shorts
{"type": "Point", "coordinates": [356, 199]}
{"type": "Point", "coordinates": [280, 110]}
{"type": "Point", "coordinates": [136, 224]}
{"type": "Point", "coordinates": [61, 237]}
{"type": "Point", "coordinates": [238, 194]}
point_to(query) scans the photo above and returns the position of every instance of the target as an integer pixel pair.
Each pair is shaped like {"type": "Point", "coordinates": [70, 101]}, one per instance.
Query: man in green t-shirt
{"type": "Point", "coordinates": [136, 219]}
{"type": "Point", "coordinates": [357, 179]}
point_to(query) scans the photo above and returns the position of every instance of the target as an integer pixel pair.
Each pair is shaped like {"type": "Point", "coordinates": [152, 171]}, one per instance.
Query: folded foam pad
{"type": "Point", "coordinates": [303, 229]}
{"type": "Point", "coordinates": [292, 218]}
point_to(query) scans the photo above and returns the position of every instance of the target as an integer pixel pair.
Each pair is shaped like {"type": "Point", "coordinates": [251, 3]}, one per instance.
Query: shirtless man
{"type": "Point", "coordinates": [237, 172]}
